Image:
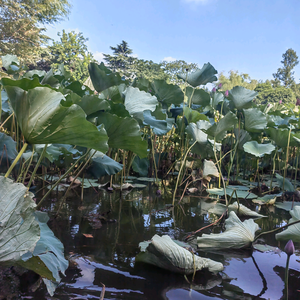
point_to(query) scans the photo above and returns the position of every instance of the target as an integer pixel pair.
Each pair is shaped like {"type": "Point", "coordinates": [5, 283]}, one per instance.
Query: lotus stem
{"type": "Point", "coordinates": [286, 280]}
{"type": "Point", "coordinates": [36, 166]}
{"type": "Point", "coordinates": [181, 166]}
{"type": "Point", "coordinates": [287, 157]}
{"type": "Point", "coordinates": [16, 160]}
{"type": "Point", "coordinates": [61, 178]}
{"type": "Point", "coordinates": [274, 166]}
{"type": "Point", "coordinates": [296, 168]}
{"type": "Point", "coordinates": [6, 120]}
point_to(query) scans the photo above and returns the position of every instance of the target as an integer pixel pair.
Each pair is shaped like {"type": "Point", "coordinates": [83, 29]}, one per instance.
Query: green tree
{"type": "Point", "coordinates": [236, 79]}
{"type": "Point", "coordinates": [21, 25]}
{"type": "Point", "coordinates": [72, 51]}
{"type": "Point", "coordinates": [285, 74]}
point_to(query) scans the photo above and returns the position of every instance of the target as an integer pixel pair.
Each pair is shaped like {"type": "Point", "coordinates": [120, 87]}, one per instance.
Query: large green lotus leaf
{"type": "Point", "coordinates": [102, 78]}
{"type": "Point", "coordinates": [48, 249]}
{"type": "Point", "coordinates": [163, 252]}
{"type": "Point", "coordinates": [293, 231]}
{"type": "Point", "coordinates": [237, 235]}
{"type": "Point", "coordinates": [218, 130]}
{"type": "Point", "coordinates": [193, 116]}
{"type": "Point", "coordinates": [19, 229]}
{"type": "Point", "coordinates": [280, 137]}
{"type": "Point", "coordinates": [7, 147]}
{"type": "Point", "coordinates": [242, 137]}
{"type": "Point", "coordinates": [210, 169]}
{"type": "Point", "coordinates": [200, 96]}
{"type": "Point", "coordinates": [8, 60]}
{"type": "Point", "coordinates": [167, 93]}
{"type": "Point", "coordinates": [200, 77]}
{"type": "Point", "coordinates": [160, 127]}
{"type": "Point", "coordinates": [25, 83]}
{"type": "Point", "coordinates": [43, 120]}
{"type": "Point", "coordinates": [52, 152]}
{"type": "Point", "coordinates": [241, 97]}
{"type": "Point", "coordinates": [114, 94]}
{"type": "Point", "coordinates": [91, 103]}
{"type": "Point", "coordinates": [255, 120]}
{"type": "Point", "coordinates": [287, 205]}
{"type": "Point", "coordinates": [258, 150]}
{"type": "Point", "coordinates": [288, 186]}
{"type": "Point", "coordinates": [104, 165]}
{"type": "Point", "coordinates": [136, 102]}
{"type": "Point", "coordinates": [4, 103]}
{"type": "Point", "coordinates": [239, 209]}
{"type": "Point", "coordinates": [119, 110]}
{"type": "Point", "coordinates": [123, 133]}
{"type": "Point", "coordinates": [216, 99]}
{"type": "Point", "coordinates": [141, 165]}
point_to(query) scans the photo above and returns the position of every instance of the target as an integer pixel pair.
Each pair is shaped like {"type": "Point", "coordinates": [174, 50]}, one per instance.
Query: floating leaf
{"type": "Point", "coordinates": [293, 231]}
{"type": "Point", "coordinates": [163, 252]}
{"type": "Point", "coordinates": [287, 205]}
{"type": "Point", "coordinates": [237, 235]}
{"type": "Point", "coordinates": [258, 150]}
{"type": "Point", "coordinates": [241, 193]}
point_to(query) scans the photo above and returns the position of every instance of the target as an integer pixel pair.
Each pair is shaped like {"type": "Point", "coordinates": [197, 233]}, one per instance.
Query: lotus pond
{"type": "Point", "coordinates": [101, 235]}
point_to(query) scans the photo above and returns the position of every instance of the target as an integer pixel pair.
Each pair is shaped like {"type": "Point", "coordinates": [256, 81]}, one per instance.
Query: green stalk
{"type": "Point", "coordinates": [16, 160]}
{"type": "Point", "coordinates": [286, 281]}
{"type": "Point", "coordinates": [61, 178]}
{"type": "Point", "coordinates": [296, 169]}
{"type": "Point", "coordinates": [178, 177]}
{"type": "Point", "coordinates": [36, 166]}
{"type": "Point", "coordinates": [287, 158]}
{"type": "Point", "coordinates": [274, 166]}
{"type": "Point", "coordinates": [153, 155]}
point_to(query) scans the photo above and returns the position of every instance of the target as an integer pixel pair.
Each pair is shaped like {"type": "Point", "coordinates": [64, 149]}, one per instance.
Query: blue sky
{"type": "Point", "coordinates": [245, 35]}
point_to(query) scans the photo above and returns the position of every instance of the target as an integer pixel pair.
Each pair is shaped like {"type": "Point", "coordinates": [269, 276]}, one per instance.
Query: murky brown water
{"type": "Point", "coordinates": [104, 255]}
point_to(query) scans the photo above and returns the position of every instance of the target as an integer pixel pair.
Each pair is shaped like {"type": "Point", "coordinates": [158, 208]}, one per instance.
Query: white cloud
{"type": "Point", "coordinates": [169, 59]}
{"type": "Point", "coordinates": [99, 56]}
{"type": "Point", "coordinates": [134, 55]}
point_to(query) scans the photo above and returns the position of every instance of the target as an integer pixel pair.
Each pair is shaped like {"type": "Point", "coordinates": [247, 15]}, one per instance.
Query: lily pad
{"type": "Point", "coordinates": [293, 231]}
{"type": "Point", "coordinates": [287, 205]}
{"type": "Point", "coordinates": [230, 191]}
{"type": "Point", "coordinates": [237, 235]}
{"type": "Point", "coordinates": [258, 150]}
{"type": "Point", "coordinates": [163, 252]}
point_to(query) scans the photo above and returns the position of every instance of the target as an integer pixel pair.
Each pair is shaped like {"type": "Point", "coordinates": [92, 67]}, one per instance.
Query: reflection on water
{"type": "Point", "coordinates": [101, 236]}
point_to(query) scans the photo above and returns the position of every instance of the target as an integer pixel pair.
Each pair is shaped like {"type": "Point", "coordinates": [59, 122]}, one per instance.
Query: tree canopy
{"type": "Point", "coordinates": [21, 25]}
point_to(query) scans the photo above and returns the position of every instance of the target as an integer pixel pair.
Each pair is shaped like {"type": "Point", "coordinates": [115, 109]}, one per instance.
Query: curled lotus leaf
{"type": "Point", "coordinates": [163, 252]}
{"type": "Point", "coordinates": [293, 231]}
{"type": "Point", "coordinates": [210, 169]}
{"type": "Point", "coordinates": [237, 235]}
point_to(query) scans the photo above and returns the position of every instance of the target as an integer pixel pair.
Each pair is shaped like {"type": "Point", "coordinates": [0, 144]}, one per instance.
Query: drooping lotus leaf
{"type": "Point", "coordinates": [141, 165]}
{"type": "Point", "coordinates": [210, 169]}
{"type": "Point", "coordinates": [293, 231]}
{"type": "Point", "coordinates": [237, 235]}
{"type": "Point", "coordinates": [114, 94]}
{"type": "Point", "coordinates": [288, 186]}
{"type": "Point", "coordinates": [218, 130]}
{"type": "Point", "coordinates": [104, 165]}
{"type": "Point", "coordinates": [160, 127]}
{"type": "Point", "coordinates": [216, 99]}
{"type": "Point", "coordinates": [241, 97]}
{"type": "Point", "coordinates": [19, 230]}
{"type": "Point", "coordinates": [193, 116]}
{"type": "Point", "coordinates": [201, 76]}
{"type": "Point", "coordinates": [123, 133]}
{"type": "Point", "coordinates": [258, 150]}
{"type": "Point", "coordinates": [200, 96]}
{"type": "Point", "coordinates": [48, 250]}
{"type": "Point", "coordinates": [7, 147]}
{"type": "Point", "coordinates": [163, 252]}
{"type": "Point", "coordinates": [43, 120]}
{"type": "Point", "coordinates": [266, 200]}
{"type": "Point", "coordinates": [241, 210]}
{"type": "Point", "coordinates": [255, 120]}
{"type": "Point", "coordinates": [241, 192]}
{"type": "Point", "coordinates": [242, 137]}
{"type": "Point", "coordinates": [102, 78]}
{"type": "Point", "coordinates": [167, 93]}
{"type": "Point", "coordinates": [136, 102]}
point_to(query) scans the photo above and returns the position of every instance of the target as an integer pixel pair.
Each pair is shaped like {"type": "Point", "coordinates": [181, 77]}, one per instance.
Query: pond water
{"type": "Point", "coordinates": [103, 252]}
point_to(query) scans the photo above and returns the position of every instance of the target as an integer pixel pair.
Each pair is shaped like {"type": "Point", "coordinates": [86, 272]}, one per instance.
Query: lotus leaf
{"type": "Point", "coordinates": [160, 127]}
{"type": "Point", "coordinates": [200, 96]}
{"type": "Point", "coordinates": [193, 116]}
{"type": "Point", "coordinates": [136, 102]}
{"type": "Point", "coordinates": [241, 192]}
{"type": "Point", "coordinates": [281, 136]}
{"type": "Point", "coordinates": [167, 93]}
{"type": "Point", "coordinates": [102, 78]}
{"type": "Point", "coordinates": [288, 186]}
{"type": "Point", "coordinates": [241, 97]}
{"type": "Point", "coordinates": [258, 150]}
{"type": "Point", "coordinates": [43, 120]}
{"type": "Point", "coordinates": [216, 99]}
{"type": "Point", "coordinates": [141, 165]}
{"type": "Point", "coordinates": [210, 169]}
{"type": "Point", "coordinates": [237, 235]}
{"type": "Point", "coordinates": [242, 136]}
{"type": "Point", "coordinates": [255, 120]}
{"type": "Point", "coordinates": [293, 231]}
{"type": "Point", "coordinates": [163, 252]}
{"type": "Point", "coordinates": [201, 76]}
{"type": "Point", "coordinates": [287, 205]}
{"type": "Point", "coordinates": [7, 147]}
